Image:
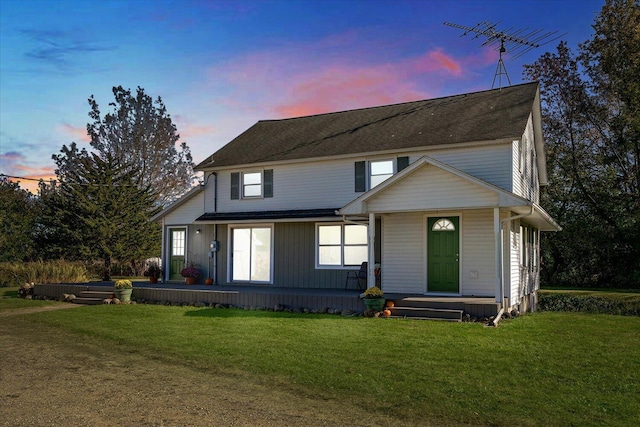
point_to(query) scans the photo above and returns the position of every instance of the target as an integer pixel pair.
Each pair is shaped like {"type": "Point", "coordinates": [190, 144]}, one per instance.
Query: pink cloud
{"type": "Point", "coordinates": [436, 60]}
{"type": "Point", "coordinates": [341, 88]}
{"type": "Point", "coordinates": [189, 130]}
{"type": "Point", "coordinates": [79, 133]}
{"type": "Point", "coordinates": [15, 164]}
{"type": "Point", "coordinates": [339, 72]}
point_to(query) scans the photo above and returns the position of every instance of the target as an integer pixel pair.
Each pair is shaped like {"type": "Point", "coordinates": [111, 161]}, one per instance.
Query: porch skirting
{"type": "Point", "coordinates": [268, 297]}
{"type": "Point", "coordinates": [264, 297]}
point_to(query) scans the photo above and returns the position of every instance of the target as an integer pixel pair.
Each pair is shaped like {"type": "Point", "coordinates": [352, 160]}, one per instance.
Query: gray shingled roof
{"type": "Point", "coordinates": [479, 116]}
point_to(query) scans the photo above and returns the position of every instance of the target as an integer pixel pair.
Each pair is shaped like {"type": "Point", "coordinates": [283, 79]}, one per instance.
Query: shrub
{"type": "Point", "coordinates": [587, 304]}
{"type": "Point", "coordinates": [41, 272]}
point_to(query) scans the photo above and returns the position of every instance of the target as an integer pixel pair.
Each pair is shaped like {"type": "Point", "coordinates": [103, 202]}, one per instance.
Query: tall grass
{"type": "Point", "coordinates": [40, 272]}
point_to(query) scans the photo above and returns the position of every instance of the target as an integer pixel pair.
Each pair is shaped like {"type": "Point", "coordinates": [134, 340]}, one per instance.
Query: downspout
{"type": "Point", "coordinates": [164, 251]}
{"type": "Point", "coordinates": [502, 221]}
{"type": "Point", "coordinates": [215, 227]}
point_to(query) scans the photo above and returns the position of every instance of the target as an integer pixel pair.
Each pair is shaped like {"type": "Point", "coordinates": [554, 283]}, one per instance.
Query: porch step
{"type": "Point", "coordinates": [87, 301]}
{"type": "Point", "coordinates": [427, 313]}
{"type": "Point", "coordinates": [92, 297]}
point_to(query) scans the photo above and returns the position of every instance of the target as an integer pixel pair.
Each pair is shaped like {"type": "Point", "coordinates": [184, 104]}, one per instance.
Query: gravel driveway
{"type": "Point", "coordinates": [53, 379]}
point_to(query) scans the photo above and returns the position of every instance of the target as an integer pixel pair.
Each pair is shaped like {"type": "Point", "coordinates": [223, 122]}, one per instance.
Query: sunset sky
{"type": "Point", "coordinates": [220, 66]}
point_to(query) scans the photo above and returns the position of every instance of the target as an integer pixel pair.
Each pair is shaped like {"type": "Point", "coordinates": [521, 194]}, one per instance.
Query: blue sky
{"type": "Point", "coordinates": [220, 66]}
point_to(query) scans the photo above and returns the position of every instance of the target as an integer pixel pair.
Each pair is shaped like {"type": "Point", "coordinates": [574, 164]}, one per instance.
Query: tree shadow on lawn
{"type": "Point", "coordinates": [239, 312]}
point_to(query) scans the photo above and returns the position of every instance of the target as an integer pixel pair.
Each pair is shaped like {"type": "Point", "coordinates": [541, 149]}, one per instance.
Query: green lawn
{"type": "Point", "coordinates": [9, 300]}
{"type": "Point", "coordinates": [541, 369]}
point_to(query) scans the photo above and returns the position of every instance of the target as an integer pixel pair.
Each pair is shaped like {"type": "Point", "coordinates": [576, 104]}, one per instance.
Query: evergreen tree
{"type": "Point", "coordinates": [18, 213]}
{"type": "Point", "coordinates": [98, 211]}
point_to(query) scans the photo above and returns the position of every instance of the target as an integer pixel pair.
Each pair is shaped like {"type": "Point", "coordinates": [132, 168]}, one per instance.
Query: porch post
{"type": "Point", "coordinates": [498, 254]}
{"type": "Point", "coordinates": [371, 279]}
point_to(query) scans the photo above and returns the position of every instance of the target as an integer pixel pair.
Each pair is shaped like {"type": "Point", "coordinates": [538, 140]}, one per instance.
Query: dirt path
{"type": "Point", "coordinates": [51, 379]}
{"type": "Point", "coordinates": [57, 306]}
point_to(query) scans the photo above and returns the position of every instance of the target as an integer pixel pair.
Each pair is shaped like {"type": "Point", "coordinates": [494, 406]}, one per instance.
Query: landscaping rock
{"type": "Point", "coordinates": [25, 290]}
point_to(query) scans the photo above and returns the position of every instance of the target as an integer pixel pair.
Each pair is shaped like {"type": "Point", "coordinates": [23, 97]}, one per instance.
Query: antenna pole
{"type": "Point", "coordinates": [501, 70]}
{"type": "Point", "coordinates": [517, 43]}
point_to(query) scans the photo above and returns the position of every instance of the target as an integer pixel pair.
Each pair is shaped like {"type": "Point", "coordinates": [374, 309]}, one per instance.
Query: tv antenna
{"type": "Point", "coordinates": [519, 42]}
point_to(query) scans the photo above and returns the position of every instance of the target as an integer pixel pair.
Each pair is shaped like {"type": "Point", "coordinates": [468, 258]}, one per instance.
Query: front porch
{"type": "Point", "coordinates": [268, 297]}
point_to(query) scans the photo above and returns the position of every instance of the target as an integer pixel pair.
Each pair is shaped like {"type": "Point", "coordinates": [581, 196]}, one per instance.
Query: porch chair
{"type": "Point", "coordinates": [359, 276]}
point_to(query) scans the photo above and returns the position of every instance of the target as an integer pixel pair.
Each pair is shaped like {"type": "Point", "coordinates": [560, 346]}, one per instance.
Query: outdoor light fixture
{"type": "Point", "coordinates": [198, 231]}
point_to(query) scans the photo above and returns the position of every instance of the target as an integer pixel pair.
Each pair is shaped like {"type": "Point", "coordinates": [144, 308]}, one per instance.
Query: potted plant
{"type": "Point", "coordinates": [374, 298]}
{"type": "Point", "coordinates": [153, 272]}
{"type": "Point", "coordinates": [123, 290]}
{"type": "Point", "coordinates": [191, 274]}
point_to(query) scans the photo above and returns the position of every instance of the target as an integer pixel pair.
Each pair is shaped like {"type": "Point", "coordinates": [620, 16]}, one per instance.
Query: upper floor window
{"type": "Point", "coordinates": [380, 171]}
{"type": "Point", "coordinates": [252, 185]}
{"type": "Point", "coordinates": [372, 173]}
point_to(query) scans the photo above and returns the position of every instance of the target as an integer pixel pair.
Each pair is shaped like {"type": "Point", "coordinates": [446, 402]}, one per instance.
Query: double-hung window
{"type": "Point", "coordinates": [252, 184]}
{"type": "Point", "coordinates": [380, 171]}
{"type": "Point", "coordinates": [369, 174]}
{"type": "Point", "coordinates": [341, 245]}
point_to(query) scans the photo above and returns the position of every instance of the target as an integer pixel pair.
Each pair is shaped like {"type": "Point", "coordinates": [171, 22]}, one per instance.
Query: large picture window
{"type": "Point", "coordinates": [341, 245]}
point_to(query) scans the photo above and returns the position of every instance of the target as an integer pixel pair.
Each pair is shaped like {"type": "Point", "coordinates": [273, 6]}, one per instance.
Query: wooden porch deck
{"type": "Point", "coordinates": [267, 297]}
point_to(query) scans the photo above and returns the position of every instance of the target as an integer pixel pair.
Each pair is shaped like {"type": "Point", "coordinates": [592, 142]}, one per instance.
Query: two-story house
{"type": "Point", "coordinates": [442, 195]}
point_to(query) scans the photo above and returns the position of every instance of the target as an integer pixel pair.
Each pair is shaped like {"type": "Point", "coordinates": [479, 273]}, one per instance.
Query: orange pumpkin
{"type": "Point", "coordinates": [386, 313]}
{"type": "Point", "coordinates": [390, 304]}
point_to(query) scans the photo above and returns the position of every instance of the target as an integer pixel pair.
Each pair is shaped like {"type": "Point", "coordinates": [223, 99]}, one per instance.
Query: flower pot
{"type": "Point", "coordinates": [153, 280]}
{"type": "Point", "coordinates": [190, 280]}
{"type": "Point", "coordinates": [123, 295]}
{"type": "Point", "coordinates": [208, 281]}
{"type": "Point", "coordinates": [376, 304]}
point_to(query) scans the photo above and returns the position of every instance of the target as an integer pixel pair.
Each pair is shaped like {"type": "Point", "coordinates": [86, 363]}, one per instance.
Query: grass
{"type": "Point", "coordinates": [18, 273]}
{"type": "Point", "coordinates": [9, 300]}
{"type": "Point", "coordinates": [545, 368]}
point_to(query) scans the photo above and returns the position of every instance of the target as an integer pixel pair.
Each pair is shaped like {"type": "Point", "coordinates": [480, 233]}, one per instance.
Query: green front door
{"type": "Point", "coordinates": [443, 254]}
{"type": "Point", "coordinates": [177, 245]}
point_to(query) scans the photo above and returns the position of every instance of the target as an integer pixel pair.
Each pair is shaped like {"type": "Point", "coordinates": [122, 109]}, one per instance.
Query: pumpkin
{"type": "Point", "coordinates": [390, 304]}
{"type": "Point", "coordinates": [386, 313]}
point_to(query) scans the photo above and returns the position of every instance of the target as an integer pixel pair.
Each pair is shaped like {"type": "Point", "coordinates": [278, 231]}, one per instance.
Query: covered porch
{"type": "Point", "coordinates": [339, 301]}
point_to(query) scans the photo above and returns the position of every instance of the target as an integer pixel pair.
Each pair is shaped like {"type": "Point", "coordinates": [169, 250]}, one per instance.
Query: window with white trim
{"type": "Point", "coordinates": [380, 171]}
{"type": "Point", "coordinates": [251, 184]}
{"type": "Point", "coordinates": [341, 245]}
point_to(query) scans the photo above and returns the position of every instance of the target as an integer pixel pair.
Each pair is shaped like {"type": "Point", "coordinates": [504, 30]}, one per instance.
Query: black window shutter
{"type": "Point", "coordinates": [268, 183]}
{"type": "Point", "coordinates": [235, 185]}
{"type": "Point", "coordinates": [402, 162]}
{"type": "Point", "coordinates": [361, 177]}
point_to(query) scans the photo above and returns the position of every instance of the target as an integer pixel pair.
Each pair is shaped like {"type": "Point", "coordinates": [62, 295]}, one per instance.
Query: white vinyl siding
{"type": "Point", "coordinates": [445, 191]}
{"type": "Point", "coordinates": [187, 212]}
{"type": "Point", "coordinates": [313, 185]}
{"type": "Point", "coordinates": [513, 262]}
{"type": "Point", "coordinates": [330, 183]}
{"type": "Point", "coordinates": [478, 254]}
{"type": "Point", "coordinates": [490, 163]}
{"type": "Point", "coordinates": [525, 167]}
{"type": "Point", "coordinates": [404, 257]}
